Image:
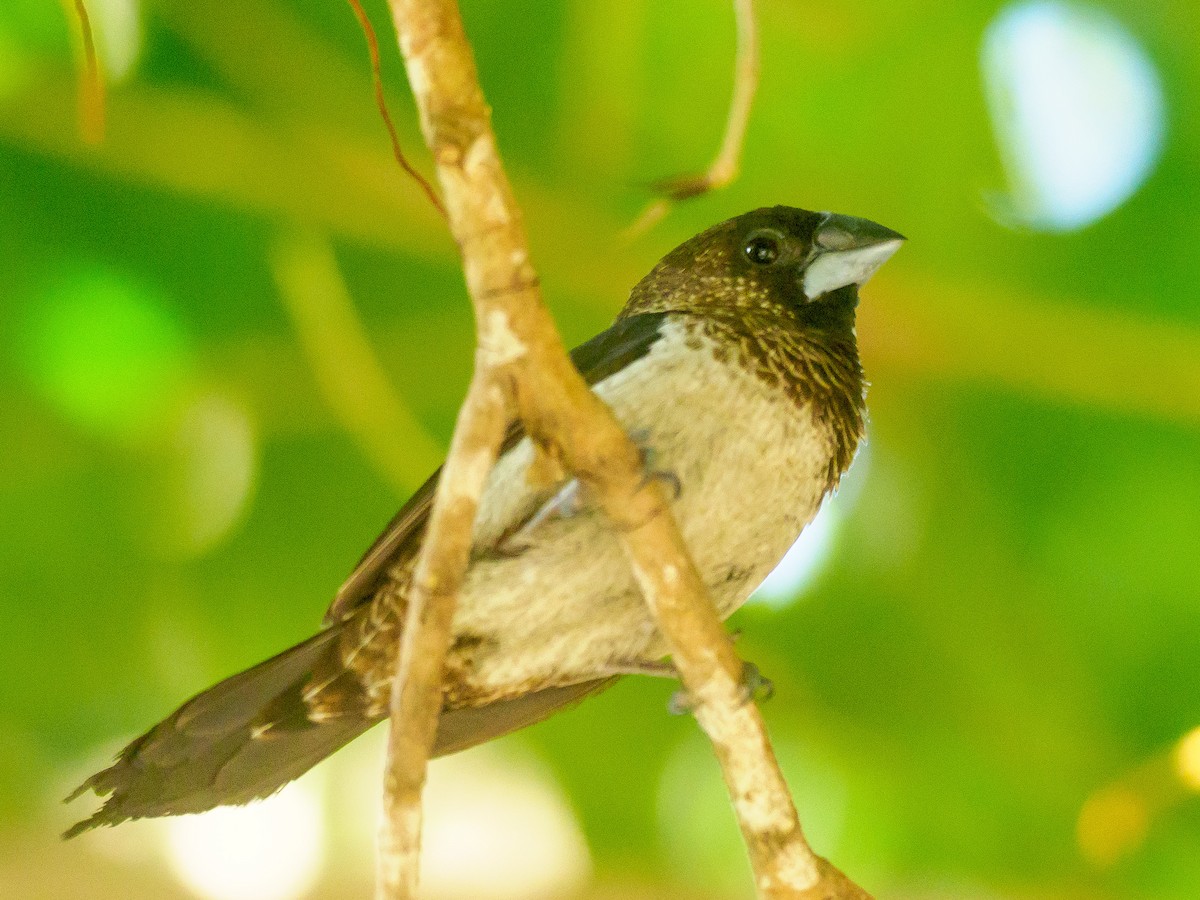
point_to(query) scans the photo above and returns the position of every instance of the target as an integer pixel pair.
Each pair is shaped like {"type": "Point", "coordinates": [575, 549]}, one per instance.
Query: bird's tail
{"type": "Point", "coordinates": [240, 740]}
{"type": "Point", "coordinates": [251, 734]}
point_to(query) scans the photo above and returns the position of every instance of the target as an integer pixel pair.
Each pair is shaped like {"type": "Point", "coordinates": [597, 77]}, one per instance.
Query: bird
{"type": "Point", "coordinates": [735, 364]}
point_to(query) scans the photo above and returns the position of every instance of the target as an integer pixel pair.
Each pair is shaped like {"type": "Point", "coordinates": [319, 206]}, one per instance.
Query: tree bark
{"type": "Point", "coordinates": [523, 369]}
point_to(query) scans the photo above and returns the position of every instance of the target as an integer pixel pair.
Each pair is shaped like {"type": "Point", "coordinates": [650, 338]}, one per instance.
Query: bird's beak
{"type": "Point", "coordinates": [847, 250]}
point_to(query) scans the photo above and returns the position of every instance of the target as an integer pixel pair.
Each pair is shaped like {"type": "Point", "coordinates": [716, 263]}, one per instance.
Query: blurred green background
{"type": "Point", "coordinates": [987, 653]}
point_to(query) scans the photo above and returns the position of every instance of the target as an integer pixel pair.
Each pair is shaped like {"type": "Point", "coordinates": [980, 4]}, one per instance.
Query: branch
{"type": "Point", "coordinates": [724, 168]}
{"type": "Point", "coordinates": [521, 367]}
{"type": "Point", "coordinates": [368, 30]}
{"type": "Point", "coordinates": [91, 80]}
{"type": "Point", "coordinates": [425, 639]}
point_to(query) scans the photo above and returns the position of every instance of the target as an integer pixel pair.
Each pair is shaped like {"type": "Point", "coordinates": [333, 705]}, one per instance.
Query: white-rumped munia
{"type": "Point", "coordinates": [734, 361]}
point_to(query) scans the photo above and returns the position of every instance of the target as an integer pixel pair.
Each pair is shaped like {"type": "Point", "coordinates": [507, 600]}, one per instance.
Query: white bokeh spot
{"type": "Point", "coordinates": [802, 563]}
{"type": "Point", "coordinates": [1078, 109]}
{"type": "Point", "coordinates": [269, 850]}
{"type": "Point", "coordinates": [216, 470]}
{"type": "Point", "coordinates": [118, 25]}
{"type": "Point", "coordinates": [499, 828]}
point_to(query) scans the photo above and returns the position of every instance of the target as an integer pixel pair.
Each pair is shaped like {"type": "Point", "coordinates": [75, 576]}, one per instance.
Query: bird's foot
{"type": "Point", "coordinates": [567, 502]}
{"type": "Point", "coordinates": [756, 687]}
{"type": "Point", "coordinates": [753, 687]}
{"type": "Point", "coordinates": [641, 437]}
{"type": "Point", "coordinates": [680, 703]}
{"type": "Point", "coordinates": [670, 479]}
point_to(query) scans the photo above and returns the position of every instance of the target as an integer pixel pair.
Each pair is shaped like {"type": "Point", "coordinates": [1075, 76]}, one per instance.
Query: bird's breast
{"type": "Point", "coordinates": [752, 468]}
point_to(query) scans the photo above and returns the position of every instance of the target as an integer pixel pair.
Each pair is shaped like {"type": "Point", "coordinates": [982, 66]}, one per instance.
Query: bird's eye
{"type": "Point", "coordinates": [762, 248]}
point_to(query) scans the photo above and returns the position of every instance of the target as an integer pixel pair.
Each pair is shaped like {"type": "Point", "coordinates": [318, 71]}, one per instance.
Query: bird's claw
{"type": "Point", "coordinates": [680, 703]}
{"type": "Point", "coordinates": [670, 479]}
{"type": "Point", "coordinates": [754, 687]}
{"type": "Point", "coordinates": [641, 437]}
{"type": "Point", "coordinates": [567, 502]}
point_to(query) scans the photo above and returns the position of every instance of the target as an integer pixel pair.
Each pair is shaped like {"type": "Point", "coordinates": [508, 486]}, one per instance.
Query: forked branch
{"type": "Point", "coordinates": [523, 370]}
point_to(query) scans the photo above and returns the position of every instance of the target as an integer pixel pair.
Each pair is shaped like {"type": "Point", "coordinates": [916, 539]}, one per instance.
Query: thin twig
{"type": "Point", "coordinates": [368, 30]}
{"type": "Point", "coordinates": [91, 80]}
{"type": "Point", "coordinates": [725, 165]}
{"type": "Point", "coordinates": [347, 371]}
{"type": "Point", "coordinates": [745, 84]}
{"type": "Point", "coordinates": [521, 363]}
{"type": "Point", "coordinates": [417, 691]}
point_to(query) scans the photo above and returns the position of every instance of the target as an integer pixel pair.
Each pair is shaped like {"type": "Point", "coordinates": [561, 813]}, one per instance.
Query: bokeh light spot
{"type": "Point", "coordinates": [1111, 825]}
{"type": "Point", "coordinates": [499, 829]}
{"type": "Point", "coordinates": [270, 850]}
{"type": "Point", "coordinates": [38, 26]}
{"type": "Point", "coordinates": [118, 35]}
{"type": "Point", "coordinates": [1187, 760]}
{"type": "Point", "coordinates": [1078, 110]}
{"type": "Point", "coordinates": [802, 563]}
{"type": "Point", "coordinates": [208, 479]}
{"type": "Point", "coordinates": [811, 553]}
{"type": "Point", "coordinates": [105, 353]}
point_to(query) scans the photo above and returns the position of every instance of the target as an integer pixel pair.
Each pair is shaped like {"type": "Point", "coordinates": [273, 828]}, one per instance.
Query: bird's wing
{"type": "Point", "coordinates": [628, 340]}
{"type": "Point", "coordinates": [465, 727]}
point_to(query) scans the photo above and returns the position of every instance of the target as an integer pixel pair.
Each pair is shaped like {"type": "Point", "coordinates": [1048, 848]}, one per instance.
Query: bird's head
{"type": "Point", "coordinates": [804, 265]}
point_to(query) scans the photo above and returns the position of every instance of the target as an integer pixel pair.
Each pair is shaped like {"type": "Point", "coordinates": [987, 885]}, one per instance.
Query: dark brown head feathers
{"type": "Point", "coordinates": [777, 288]}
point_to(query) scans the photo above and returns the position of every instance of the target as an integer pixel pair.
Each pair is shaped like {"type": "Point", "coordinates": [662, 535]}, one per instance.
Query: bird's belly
{"type": "Point", "coordinates": [752, 466]}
